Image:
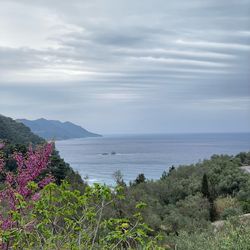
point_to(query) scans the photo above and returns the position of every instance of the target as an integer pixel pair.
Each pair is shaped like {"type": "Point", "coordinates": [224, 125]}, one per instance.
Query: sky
{"type": "Point", "coordinates": [126, 66]}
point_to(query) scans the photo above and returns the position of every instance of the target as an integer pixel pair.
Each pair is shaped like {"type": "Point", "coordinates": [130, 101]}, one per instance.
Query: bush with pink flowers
{"type": "Point", "coordinates": [38, 214]}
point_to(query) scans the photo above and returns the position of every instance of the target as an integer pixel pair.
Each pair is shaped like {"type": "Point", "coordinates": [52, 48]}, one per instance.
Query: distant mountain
{"type": "Point", "coordinates": [52, 129]}
{"type": "Point", "coordinates": [17, 137]}
{"type": "Point", "coordinates": [17, 133]}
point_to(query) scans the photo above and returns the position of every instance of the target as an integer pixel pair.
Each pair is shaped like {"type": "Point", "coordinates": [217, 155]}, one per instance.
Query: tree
{"type": "Point", "coordinates": [206, 193]}
{"type": "Point", "coordinates": [118, 177]}
{"type": "Point", "coordinates": [164, 175]}
{"type": "Point", "coordinates": [204, 187]}
{"type": "Point", "coordinates": [171, 169]}
{"type": "Point", "coordinates": [58, 167]}
{"type": "Point", "coordinates": [140, 179]}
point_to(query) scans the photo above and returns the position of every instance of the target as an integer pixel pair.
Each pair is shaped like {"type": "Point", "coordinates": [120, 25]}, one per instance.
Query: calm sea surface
{"type": "Point", "coordinates": [148, 154]}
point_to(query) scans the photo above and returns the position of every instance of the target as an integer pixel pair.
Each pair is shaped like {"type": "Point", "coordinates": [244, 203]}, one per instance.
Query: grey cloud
{"type": "Point", "coordinates": [108, 57]}
{"type": "Point", "coordinates": [11, 58]}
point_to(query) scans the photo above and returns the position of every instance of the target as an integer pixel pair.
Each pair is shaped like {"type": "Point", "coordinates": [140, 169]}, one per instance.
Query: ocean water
{"type": "Point", "coordinates": [148, 154]}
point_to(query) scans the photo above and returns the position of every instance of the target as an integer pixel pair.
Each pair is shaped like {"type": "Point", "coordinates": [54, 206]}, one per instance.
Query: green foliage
{"type": "Point", "coordinates": [66, 219]}
{"type": "Point", "coordinates": [227, 207]}
{"type": "Point", "coordinates": [231, 237]}
{"type": "Point", "coordinates": [175, 202]}
{"type": "Point", "coordinates": [204, 186]}
{"type": "Point", "coordinates": [139, 179]}
{"type": "Point", "coordinates": [230, 212]}
{"type": "Point", "coordinates": [16, 133]}
{"type": "Point", "coordinates": [244, 158]}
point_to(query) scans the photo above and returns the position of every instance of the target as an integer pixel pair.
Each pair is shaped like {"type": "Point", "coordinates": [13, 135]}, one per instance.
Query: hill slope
{"type": "Point", "coordinates": [52, 129]}
{"type": "Point", "coordinates": [17, 133]}
{"type": "Point", "coordinates": [18, 137]}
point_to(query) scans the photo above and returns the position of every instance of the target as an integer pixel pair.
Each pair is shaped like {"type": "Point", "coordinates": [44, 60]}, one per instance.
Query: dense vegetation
{"type": "Point", "coordinates": [189, 197]}
{"type": "Point", "coordinates": [174, 212]}
{"type": "Point", "coordinates": [45, 204]}
{"type": "Point", "coordinates": [17, 138]}
{"type": "Point", "coordinates": [38, 214]}
{"type": "Point", "coordinates": [184, 202]}
{"type": "Point", "coordinates": [17, 133]}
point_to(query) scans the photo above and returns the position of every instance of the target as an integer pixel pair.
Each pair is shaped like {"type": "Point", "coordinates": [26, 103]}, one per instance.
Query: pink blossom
{"type": "Point", "coordinates": [44, 182]}
{"type": "Point", "coordinates": [36, 197]}
{"type": "Point", "coordinates": [1, 164]}
{"type": "Point", "coordinates": [10, 178]}
{"type": "Point", "coordinates": [6, 223]}
{"type": "Point", "coordinates": [29, 168]}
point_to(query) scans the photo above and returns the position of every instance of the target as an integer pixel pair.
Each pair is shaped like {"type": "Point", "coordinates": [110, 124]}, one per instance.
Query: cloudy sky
{"type": "Point", "coordinates": [126, 66]}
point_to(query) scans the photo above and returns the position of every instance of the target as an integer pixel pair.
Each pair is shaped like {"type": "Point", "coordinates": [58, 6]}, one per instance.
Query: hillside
{"type": "Point", "coordinates": [53, 129]}
{"type": "Point", "coordinates": [188, 198]}
{"type": "Point", "coordinates": [17, 133]}
{"type": "Point", "coordinates": [17, 137]}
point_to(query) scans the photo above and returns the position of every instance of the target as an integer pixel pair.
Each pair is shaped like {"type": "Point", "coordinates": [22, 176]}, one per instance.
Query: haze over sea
{"type": "Point", "coordinates": [148, 154]}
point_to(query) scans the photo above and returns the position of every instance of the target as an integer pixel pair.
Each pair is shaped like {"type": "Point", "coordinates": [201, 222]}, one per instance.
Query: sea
{"type": "Point", "coordinates": [97, 159]}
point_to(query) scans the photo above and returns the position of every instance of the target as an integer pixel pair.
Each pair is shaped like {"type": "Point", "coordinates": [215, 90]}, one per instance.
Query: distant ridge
{"type": "Point", "coordinates": [57, 130]}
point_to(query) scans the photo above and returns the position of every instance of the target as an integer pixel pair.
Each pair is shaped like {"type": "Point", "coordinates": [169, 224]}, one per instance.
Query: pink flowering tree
{"type": "Point", "coordinates": [38, 214]}
{"type": "Point", "coordinates": [22, 185]}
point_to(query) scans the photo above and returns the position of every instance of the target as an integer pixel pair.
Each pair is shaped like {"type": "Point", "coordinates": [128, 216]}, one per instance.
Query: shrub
{"type": "Point", "coordinates": [231, 237]}
{"type": "Point", "coordinates": [227, 206]}
{"type": "Point", "coordinates": [38, 214]}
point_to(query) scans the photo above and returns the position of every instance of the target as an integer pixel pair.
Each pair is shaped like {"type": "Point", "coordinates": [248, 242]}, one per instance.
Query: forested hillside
{"type": "Point", "coordinates": [17, 133]}
{"type": "Point", "coordinates": [17, 137]}
{"type": "Point", "coordinates": [190, 197]}
{"type": "Point", "coordinates": [187, 199]}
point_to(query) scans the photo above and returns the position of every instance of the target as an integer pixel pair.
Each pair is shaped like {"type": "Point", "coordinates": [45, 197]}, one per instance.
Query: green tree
{"type": "Point", "coordinates": [140, 179]}
{"type": "Point", "coordinates": [207, 194]}
{"type": "Point", "coordinates": [204, 187]}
